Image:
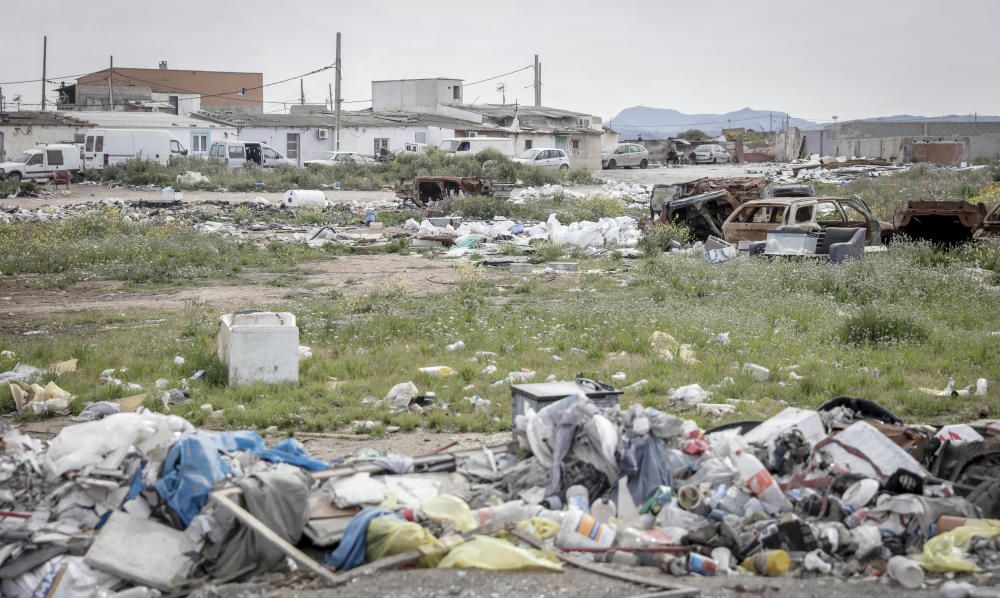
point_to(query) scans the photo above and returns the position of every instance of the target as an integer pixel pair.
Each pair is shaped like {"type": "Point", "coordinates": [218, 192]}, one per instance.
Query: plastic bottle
{"type": "Point", "coordinates": [578, 497]}
{"type": "Point", "coordinates": [760, 483]}
{"type": "Point", "coordinates": [508, 512]}
{"type": "Point", "coordinates": [815, 562]}
{"type": "Point", "coordinates": [438, 371]}
{"type": "Point", "coordinates": [908, 573]}
{"type": "Point", "coordinates": [580, 530]}
{"type": "Point", "coordinates": [771, 563]}
{"type": "Point", "coordinates": [663, 495]}
{"type": "Point", "coordinates": [603, 509]}
{"type": "Point", "coordinates": [700, 564]}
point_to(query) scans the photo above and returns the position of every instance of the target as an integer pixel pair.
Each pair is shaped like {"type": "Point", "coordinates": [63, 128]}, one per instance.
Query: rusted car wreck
{"type": "Point", "coordinates": [427, 189]}
{"type": "Point", "coordinates": [947, 222]}
{"type": "Point", "coordinates": [703, 204]}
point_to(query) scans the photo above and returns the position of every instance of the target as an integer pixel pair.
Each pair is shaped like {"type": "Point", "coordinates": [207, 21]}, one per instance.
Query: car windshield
{"type": "Point", "coordinates": [530, 154]}
{"type": "Point", "coordinates": [22, 157]}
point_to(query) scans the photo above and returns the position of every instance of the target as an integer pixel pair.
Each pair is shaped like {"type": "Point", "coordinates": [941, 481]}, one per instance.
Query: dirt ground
{"type": "Point", "coordinates": [350, 275]}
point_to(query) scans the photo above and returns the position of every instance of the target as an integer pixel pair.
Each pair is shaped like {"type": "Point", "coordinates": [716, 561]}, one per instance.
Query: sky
{"type": "Point", "coordinates": [850, 58]}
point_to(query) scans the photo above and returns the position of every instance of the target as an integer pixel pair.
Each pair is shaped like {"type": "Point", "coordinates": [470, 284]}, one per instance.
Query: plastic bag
{"type": "Point", "coordinates": [944, 552]}
{"type": "Point", "coordinates": [450, 509]}
{"type": "Point", "coordinates": [387, 536]}
{"type": "Point", "coordinates": [484, 552]}
{"type": "Point", "coordinates": [541, 528]}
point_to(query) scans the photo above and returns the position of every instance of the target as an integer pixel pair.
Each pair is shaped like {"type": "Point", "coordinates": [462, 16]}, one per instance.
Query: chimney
{"type": "Point", "coordinates": [163, 65]}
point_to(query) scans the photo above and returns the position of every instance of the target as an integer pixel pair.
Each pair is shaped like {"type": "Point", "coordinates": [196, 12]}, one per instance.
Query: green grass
{"type": "Point", "coordinates": [778, 314]}
{"type": "Point", "coordinates": [105, 244]}
{"type": "Point", "coordinates": [349, 176]}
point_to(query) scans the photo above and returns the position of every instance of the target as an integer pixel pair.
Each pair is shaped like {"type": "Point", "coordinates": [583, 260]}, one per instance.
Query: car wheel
{"type": "Point", "coordinates": [564, 167]}
{"type": "Point", "coordinates": [14, 176]}
{"type": "Point", "coordinates": [643, 164]}
{"type": "Point", "coordinates": [715, 160]}
{"type": "Point", "coordinates": [612, 165]}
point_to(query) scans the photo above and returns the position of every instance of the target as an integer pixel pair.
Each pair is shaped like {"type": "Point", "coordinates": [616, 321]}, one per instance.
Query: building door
{"type": "Point", "coordinates": [381, 143]}
{"type": "Point", "coordinates": [292, 146]}
{"type": "Point", "coordinates": [560, 142]}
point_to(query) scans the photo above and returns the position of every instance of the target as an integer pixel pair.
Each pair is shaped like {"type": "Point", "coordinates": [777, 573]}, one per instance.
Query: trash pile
{"type": "Point", "coordinates": [621, 231]}
{"type": "Point", "coordinates": [622, 191]}
{"type": "Point", "coordinates": [143, 500]}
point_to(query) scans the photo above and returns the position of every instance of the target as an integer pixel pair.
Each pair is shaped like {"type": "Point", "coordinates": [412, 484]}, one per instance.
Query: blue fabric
{"type": "Point", "coordinates": [350, 553]}
{"type": "Point", "coordinates": [194, 467]}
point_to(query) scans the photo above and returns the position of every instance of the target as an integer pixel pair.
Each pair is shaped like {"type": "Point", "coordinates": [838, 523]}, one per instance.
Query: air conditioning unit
{"type": "Point", "coordinates": [323, 133]}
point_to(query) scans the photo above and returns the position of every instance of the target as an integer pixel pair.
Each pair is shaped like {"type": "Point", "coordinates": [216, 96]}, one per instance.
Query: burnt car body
{"type": "Point", "coordinates": [703, 204]}
{"type": "Point", "coordinates": [990, 228]}
{"type": "Point", "coordinates": [754, 219]}
{"type": "Point", "coordinates": [425, 190]}
{"type": "Point", "coordinates": [947, 222]}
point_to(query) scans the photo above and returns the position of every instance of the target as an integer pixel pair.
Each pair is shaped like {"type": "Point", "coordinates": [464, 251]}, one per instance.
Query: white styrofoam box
{"type": "Point", "coordinates": [878, 450]}
{"type": "Point", "coordinates": [806, 421]}
{"type": "Point", "coordinates": [260, 346]}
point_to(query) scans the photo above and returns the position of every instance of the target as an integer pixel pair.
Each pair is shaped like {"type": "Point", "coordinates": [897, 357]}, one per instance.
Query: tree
{"type": "Point", "coordinates": [693, 134]}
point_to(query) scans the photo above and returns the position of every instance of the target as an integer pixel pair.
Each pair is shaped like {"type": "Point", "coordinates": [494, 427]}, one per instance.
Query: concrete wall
{"type": "Point", "coordinates": [17, 139]}
{"type": "Point", "coordinates": [414, 95]}
{"type": "Point", "coordinates": [352, 139]}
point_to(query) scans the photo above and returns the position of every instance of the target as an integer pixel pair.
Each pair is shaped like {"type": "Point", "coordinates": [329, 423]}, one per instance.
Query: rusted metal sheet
{"type": "Point", "coordinates": [939, 152]}
{"type": "Point", "coordinates": [940, 221]}
{"type": "Point", "coordinates": [427, 189]}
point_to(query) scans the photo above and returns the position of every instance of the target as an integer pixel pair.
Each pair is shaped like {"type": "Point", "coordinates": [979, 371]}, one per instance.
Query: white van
{"type": "Point", "coordinates": [41, 162]}
{"type": "Point", "coordinates": [237, 153]}
{"type": "Point", "coordinates": [473, 145]}
{"type": "Point", "coordinates": [104, 147]}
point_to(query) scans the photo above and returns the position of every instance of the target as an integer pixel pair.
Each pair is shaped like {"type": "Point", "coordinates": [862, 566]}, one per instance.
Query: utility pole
{"type": "Point", "coordinates": [1, 99]}
{"type": "Point", "coordinates": [111, 87]}
{"type": "Point", "coordinates": [770, 122]}
{"type": "Point", "coordinates": [337, 99]}
{"type": "Point", "coordinates": [330, 96]}
{"type": "Point", "coordinates": [45, 56]}
{"type": "Point", "coordinates": [538, 82]}
{"type": "Point", "coordinates": [302, 92]}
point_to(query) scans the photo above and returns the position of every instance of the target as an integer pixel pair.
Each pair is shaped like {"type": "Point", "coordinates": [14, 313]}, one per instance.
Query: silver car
{"type": "Point", "coordinates": [624, 154]}
{"type": "Point", "coordinates": [711, 153]}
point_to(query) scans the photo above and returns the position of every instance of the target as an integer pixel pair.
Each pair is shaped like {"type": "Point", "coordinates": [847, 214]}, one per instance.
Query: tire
{"type": "Point", "coordinates": [564, 168]}
{"type": "Point", "coordinates": [14, 176]}
{"type": "Point", "coordinates": [715, 160]}
{"type": "Point", "coordinates": [643, 164]}
{"type": "Point", "coordinates": [612, 165]}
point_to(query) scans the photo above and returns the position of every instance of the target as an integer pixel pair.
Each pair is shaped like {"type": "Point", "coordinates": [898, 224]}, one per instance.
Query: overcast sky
{"type": "Point", "coordinates": [851, 58]}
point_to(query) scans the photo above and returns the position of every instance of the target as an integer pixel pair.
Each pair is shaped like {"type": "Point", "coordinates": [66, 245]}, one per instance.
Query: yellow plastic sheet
{"type": "Point", "coordinates": [543, 529]}
{"type": "Point", "coordinates": [387, 536]}
{"type": "Point", "coordinates": [450, 509]}
{"type": "Point", "coordinates": [945, 552]}
{"type": "Point", "coordinates": [484, 552]}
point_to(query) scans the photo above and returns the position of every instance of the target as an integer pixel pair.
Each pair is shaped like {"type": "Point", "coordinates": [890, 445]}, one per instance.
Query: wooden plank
{"type": "Point", "coordinates": [280, 543]}
{"type": "Point", "coordinates": [673, 590]}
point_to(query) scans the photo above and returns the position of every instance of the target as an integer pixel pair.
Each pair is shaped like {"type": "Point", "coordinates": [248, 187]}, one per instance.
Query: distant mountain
{"type": "Point", "coordinates": [660, 123]}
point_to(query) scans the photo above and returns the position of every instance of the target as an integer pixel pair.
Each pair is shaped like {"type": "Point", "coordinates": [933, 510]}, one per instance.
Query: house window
{"type": "Point", "coordinates": [527, 144]}
{"type": "Point", "coordinates": [576, 145]}
{"type": "Point", "coordinates": [381, 143]}
{"type": "Point", "coordinates": [292, 145]}
{"type": "Point", "coordinates": [420, 137]}
{"type": "Point", "coordinates": [456, 92]}
{"type": "Point", "coordinates": [199, 143]}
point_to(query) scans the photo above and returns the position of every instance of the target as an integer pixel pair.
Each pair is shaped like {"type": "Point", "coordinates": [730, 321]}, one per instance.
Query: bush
{"type": "Point", "coordinates": [657, 237]}
{"type": "Point", "coordinates": [871, 328]}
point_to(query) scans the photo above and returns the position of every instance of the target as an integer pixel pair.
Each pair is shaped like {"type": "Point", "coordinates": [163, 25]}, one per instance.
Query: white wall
{"type": "Point", "coordinates": [413, 95]}
{"type": "Point", "coordinates": [18, 139]}
{"type": "Point", "coordinates": [352, 139]}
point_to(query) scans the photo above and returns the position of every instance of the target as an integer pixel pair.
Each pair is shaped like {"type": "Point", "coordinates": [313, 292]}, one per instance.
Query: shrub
{"type": "Point", "coordinates": [871, 328]}
{"type": "Point", "coordinates": [657, 237]}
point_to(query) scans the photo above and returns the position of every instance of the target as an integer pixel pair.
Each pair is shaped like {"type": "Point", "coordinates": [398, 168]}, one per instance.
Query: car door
{"type": "Point", "coordinates": [829, 213]}
{"type": "Point", "coordinates": [859, 215]}
{"type": "Point", "coordinates": [547, 158]}
{"type": "Point", "coordinates": [237, 156]}
{"type": "Point", "coordinates": [34, 167]}
{"type": "Point", "coordinates": [270, 158]}
{"type": "Point", "coordinates": [751, 222]}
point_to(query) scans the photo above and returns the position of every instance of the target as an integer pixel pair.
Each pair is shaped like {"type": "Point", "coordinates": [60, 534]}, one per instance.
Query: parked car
{"type": "Point", "coordinates": [624, 154]}
{"type": "Point", "coordinates": [335, 158]}
{"type": "Point", "coordinates": [545, 158]}
{"type": "Point", "coordinates": [752, 220]}
{"type": "Point", "coordinates": [474, 145]}
{"type": "Point", "coordinates": [104, 147]}
{"type": "Point", "coordinates": [41, 162]}
{"type": "Point", "coordinates": [711, 153]}
{"type": "Point", "coordinates": [239, 153]}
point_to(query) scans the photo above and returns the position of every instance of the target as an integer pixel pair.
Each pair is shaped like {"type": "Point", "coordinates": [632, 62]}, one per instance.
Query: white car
{"type": "Point", "coordinates": [711, 153]}
{"type": "Point", "coordinates": [335, 158]}
{"type": "Point", "coordinates": [624, 154]}
{"type": "Point", "coordinates": [238, 153]}
{"type": "Point", "coordinates": [41, 162]}
{"type": "Point", "coordinates": [545, 158]}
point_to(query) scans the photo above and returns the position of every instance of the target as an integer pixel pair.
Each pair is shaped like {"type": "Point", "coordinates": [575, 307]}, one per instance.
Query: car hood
{"type": "Point", "coordinates": [522, 160]}
{"type": "Point", "coordinates": [6, 165]}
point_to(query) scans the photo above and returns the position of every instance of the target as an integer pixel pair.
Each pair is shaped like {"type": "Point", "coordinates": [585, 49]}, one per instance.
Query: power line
{"type": "Point", "coordinates": [530, 66]}
{"type": "Point", "coordinates": [47, 79]}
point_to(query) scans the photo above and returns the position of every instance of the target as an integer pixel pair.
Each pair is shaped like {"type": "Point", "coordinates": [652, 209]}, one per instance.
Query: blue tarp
{"type": "Point", "coordinates": [353, 546]}
{"type": "Point", "coordinates": [194, 466]}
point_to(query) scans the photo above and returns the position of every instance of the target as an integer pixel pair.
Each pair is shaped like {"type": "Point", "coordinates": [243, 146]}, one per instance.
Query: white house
{"type": "Point", "coordinates": [24, 130]}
